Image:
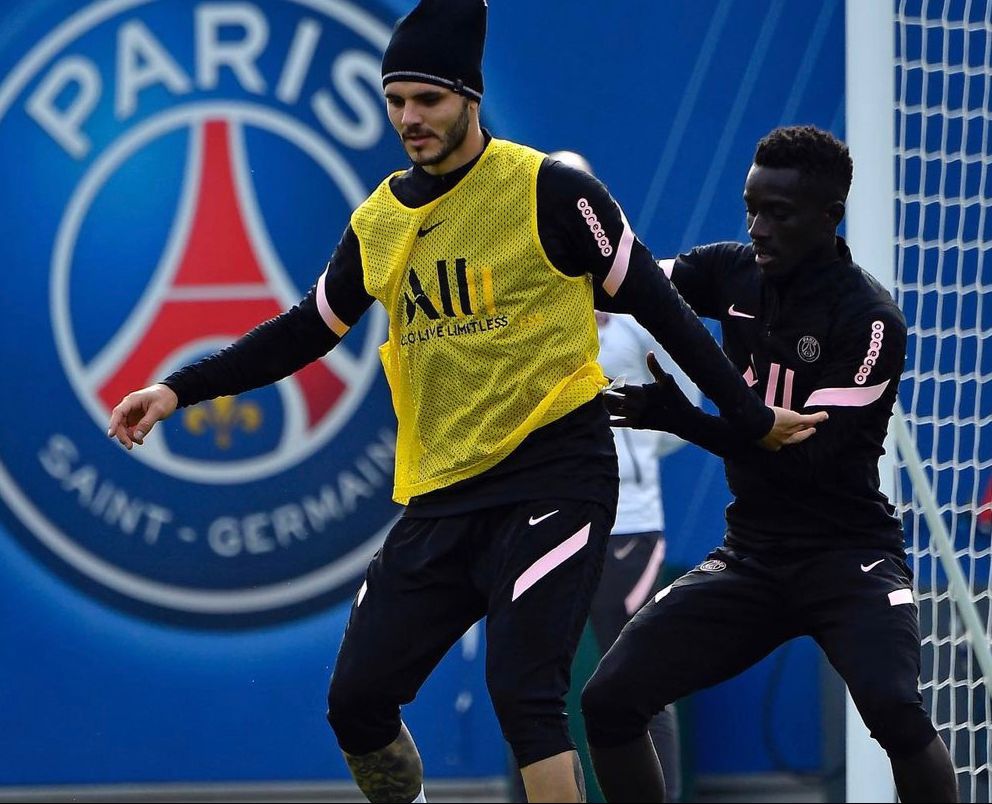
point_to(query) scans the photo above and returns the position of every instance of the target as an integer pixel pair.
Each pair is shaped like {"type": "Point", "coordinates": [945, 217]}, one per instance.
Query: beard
{"type": "Point", "coordinates": [451, 140]}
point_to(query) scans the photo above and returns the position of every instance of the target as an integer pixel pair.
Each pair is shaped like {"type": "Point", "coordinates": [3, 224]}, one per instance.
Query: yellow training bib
{"type": "Point", "coordinates": [487, 340]}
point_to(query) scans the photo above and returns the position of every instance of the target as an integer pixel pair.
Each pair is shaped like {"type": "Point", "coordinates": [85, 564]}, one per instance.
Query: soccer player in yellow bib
{"type": "Point", "coordinates": [486, 256]}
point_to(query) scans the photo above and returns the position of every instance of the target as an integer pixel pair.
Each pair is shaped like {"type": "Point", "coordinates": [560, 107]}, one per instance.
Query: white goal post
{"type": "Point", "coordinates": [919, 124]}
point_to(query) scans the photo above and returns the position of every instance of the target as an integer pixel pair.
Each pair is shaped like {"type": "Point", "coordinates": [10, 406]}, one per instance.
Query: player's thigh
{"type": "Point", "coordinates": [863, 615]}
{"type": "Point", "coordinates": [709, 625]}
{"type": "Point", "coordinates": [416, 601]}
{"type": "Point", "coordinates": [539, 595]}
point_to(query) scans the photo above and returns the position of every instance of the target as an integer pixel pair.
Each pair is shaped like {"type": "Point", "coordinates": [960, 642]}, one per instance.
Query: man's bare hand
{"type": "Point", "coordinates": [137, 413]}
{"type": "Point", "coordinates": [791, 428]}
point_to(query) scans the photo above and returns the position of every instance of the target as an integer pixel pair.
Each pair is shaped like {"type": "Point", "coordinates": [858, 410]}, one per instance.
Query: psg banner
{"type": "Point", "coordinates": [188, 164]}
{"type": "Point", "coordinates": [176, 172]}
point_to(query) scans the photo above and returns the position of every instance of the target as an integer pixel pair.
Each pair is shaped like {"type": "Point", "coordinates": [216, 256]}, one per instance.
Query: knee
{"type": "Point", "coordinates": [533, 722]}
{"type": "Point", "coordinates": [361, 720]}
{"type": "Point", "coordinates": [613, 712]}
{"type": "Point", "coordinates": [344, 704]}
{"type": "Point", "coordinates": [902, 728]}
{"type": "Point", "coordinates": [598, 697]}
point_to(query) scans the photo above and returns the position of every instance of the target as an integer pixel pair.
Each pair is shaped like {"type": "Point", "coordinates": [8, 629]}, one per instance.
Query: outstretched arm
{"type": "Point", "coordinates": [655, 302]}
{"type": "Point", "coordinates": [662, 405]}
{"type": "Point", "coordinates": [583, 230]}
{"type": "Point", "coordinates": [858, 389]}
{"type": "Point", "coordinates": [274, 349]}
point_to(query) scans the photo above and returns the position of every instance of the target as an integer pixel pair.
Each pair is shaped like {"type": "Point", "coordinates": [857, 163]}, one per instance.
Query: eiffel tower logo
{"type": "Point", "coordinates": [218, 278]}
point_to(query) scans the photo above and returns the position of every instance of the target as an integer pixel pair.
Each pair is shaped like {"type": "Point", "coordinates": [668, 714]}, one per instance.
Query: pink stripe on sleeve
{"type": "Point", "coordinates": [787, 393]}
{"type": "Point", "coordinates": [337, 326]}
{"type": "Point", "coordinates": [621, 262]}
{"type": "Point", "coordinates": [772, 384]}
{"type": "Point", "coordinates": [667, 266]}
{"type": "Point", "coordinates": [639, 593]}
{"type": "Point", "coordinates": [846, 397]}
{"type": "Point", "coordinates": [550, 560]}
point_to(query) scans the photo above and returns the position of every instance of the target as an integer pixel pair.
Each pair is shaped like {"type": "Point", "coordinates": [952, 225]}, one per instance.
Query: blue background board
{"type": "Point", "coordinates": [100, 685]}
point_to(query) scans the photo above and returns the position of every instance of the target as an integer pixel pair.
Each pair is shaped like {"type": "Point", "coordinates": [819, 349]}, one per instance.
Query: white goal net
{"type": "Point", "coordinates": [942, 281]}
{"type": "Point", "coordinates": [919, 123]}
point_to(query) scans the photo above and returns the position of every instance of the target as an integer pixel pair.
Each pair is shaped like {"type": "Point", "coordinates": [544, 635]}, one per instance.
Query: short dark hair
{"type": "Point", "coordinates": [823, 160]}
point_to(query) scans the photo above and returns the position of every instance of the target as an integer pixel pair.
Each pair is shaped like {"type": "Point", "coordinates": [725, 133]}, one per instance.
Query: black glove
{"type": "Point", "coordinates": [660, 405]}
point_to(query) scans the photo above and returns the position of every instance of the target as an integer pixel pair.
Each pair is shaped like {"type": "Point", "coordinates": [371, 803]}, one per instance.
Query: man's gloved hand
{"type": "Point", "coordinates": [661, 405]}
{"type": "Point", "coordinates": [656, 406]}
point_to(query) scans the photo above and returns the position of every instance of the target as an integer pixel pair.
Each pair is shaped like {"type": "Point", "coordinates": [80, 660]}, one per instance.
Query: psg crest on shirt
{"type": "Point", "coordinates": [808, 348]}
{"type": "Point", "coordinates": [177, 173]}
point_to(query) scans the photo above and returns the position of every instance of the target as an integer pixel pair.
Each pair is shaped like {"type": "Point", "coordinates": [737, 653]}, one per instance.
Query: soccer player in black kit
{"type": "Point", "coordinates": [812, 546]}
{"type": "Point", "coordinates": [485, 255]}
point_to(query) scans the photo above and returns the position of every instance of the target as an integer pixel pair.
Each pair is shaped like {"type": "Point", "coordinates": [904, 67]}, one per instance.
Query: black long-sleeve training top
{"type": "Point", "coordinates": [576, 219]}
{"type": "Point", "coordinates": [827, 337]}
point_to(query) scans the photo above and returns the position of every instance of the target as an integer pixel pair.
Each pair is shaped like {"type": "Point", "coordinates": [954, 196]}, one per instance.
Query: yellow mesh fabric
{"type": "Point", "coordinates": [487, 341]}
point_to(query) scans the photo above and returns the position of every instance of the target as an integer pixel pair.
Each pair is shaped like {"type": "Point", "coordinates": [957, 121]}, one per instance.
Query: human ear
{"type": "Point", "coordinates": [835, 212]}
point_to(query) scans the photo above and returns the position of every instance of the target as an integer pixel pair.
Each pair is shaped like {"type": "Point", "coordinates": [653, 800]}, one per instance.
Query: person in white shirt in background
{"type": "Point", "coordinates": [632, 569]}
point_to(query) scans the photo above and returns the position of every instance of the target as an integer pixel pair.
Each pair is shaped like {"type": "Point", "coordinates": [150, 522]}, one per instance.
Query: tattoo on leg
{"type": "Point", "coordinates": [391, 774]}
{"type": "Point", "coordinates": [580, 779]}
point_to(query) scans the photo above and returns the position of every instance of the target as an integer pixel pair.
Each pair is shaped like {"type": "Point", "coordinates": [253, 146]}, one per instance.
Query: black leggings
{"type": "Point", "coordinates": [734, 609]}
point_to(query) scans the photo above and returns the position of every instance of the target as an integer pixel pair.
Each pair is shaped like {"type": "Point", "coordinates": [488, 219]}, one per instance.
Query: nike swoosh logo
{"type": "Point", "coordinates": [622, 552]}
{"type": "Point", "coordinates": [736, 314]}
{"type": "Point", "coordinates": [870, 567]}
{"type": "Point", "coordinates": [536, 519]}
{"type": "Point", "coordinates": [429, 229]}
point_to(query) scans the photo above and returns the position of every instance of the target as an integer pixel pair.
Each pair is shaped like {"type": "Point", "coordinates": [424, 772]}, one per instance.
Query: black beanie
{"type": "Point", "coordinates": [439, 42]}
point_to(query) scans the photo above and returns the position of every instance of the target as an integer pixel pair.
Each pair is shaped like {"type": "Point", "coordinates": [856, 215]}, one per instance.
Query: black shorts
{"type": "Point", "coordinates": [531, 568]}
{"type": "Point", "coordinates": [734, 609]}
